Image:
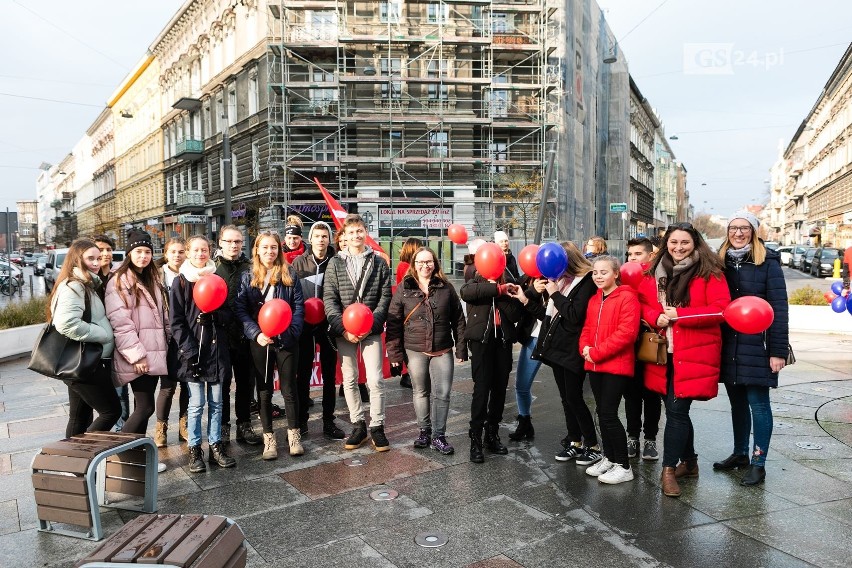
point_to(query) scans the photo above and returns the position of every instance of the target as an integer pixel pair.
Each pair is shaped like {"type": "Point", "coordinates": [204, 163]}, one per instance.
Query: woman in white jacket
{"type": "Point", "coordinates": [75, 287]}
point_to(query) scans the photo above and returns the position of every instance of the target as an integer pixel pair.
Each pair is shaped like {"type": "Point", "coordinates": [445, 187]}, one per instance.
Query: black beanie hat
{"type": "Point", "coordinates": [293, 230]}
{"type": "Point", "coordinates": [137, 238]}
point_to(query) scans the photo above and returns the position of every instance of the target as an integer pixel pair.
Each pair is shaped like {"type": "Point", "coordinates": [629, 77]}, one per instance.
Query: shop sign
{"type": "Point", "coordinates": [239, 212]}
{"type": "Point", "coordinates": [415, 217]}
{"type": "Point", "coordinates": [193, 219]}
{"type": "Point", "coordinates": [313, 212]}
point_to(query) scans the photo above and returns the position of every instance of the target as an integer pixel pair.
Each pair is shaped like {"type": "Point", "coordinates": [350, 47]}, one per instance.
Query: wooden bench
{"type": "Point", "coordinates": [199, 541]}
{"type": "Point", "coordinates": [70, 481]}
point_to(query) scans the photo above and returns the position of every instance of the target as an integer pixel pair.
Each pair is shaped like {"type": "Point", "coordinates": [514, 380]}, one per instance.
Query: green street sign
{"type": "Point", "coordinates": [617, 207]}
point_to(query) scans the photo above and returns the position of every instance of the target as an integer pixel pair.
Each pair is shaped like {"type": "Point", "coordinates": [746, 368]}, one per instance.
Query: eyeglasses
{"type": "Point", "coordinates": [227, 242]}
{"type": "Point", "coordinates": [424, 262]}
{"type": "Point", "coordinates": [745, 229]}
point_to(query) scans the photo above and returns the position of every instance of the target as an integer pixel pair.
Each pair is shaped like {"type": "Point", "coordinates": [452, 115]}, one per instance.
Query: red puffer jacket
{"type": "Point", "coordinates": [611, 327]}
{"type": "Point", "coordinates": [696, 342]}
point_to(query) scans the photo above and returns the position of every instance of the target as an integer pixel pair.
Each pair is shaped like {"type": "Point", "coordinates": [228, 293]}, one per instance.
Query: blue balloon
{"type": "Point", "coordinates": [848, 303]}
{"type": "Point", "coordinates": [551, 260]}
{"type": "Point", "coordinates": [839, 304]}
{"type": "Point", "coordinates": [837, 287]}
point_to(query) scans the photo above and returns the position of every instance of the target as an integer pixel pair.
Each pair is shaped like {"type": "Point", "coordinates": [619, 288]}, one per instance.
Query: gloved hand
{"type": "Point", "coordinates": [204, 319]}
{"type": "Point", "coordinates": [195, 370]}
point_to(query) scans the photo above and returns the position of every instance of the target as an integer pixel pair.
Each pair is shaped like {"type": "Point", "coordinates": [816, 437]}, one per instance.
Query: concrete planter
{"type": "Point", "coordinates": [819, 319]}
{"type": "Point", "coordinates": [18, 341]}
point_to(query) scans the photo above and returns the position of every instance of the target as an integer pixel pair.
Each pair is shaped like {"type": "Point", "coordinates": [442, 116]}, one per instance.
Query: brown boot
{"type": "Point", "coordinates": [687, 468]}
{"type": "Point", "coordinates": [160, 433]}
{"type": "Point", "coordinates": [183, 433]}
{"type": "Point", "coordinates": [668, 481]}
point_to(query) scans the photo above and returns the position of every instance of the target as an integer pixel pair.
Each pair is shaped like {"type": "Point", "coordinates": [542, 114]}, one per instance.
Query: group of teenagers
{"type": "Point", "coordinates": [584, 323]}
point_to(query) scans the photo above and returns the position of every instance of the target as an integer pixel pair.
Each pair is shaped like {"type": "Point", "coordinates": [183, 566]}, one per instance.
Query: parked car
{"type": "Point", "coordinates": [786, 253]}
{"type": "Point", "coordinates": [823, 262]}
{"type": "Point", "coordinates": [797, 255]}
{"type": "Point", "coordinates": [29, 259]}
{"type": "Point", "coordinates": [55, 258]}
{"type": "Point", "coordinates": [38, 267]}
{"type": "Point", "coordinates": [807, 258]}
{"type": "Point", "coordinates": [17, 258]}
{"type": "Point", "coordinates": [771, 245]}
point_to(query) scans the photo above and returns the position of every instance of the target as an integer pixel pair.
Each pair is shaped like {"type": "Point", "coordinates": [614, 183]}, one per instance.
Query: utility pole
{"type": "Point", "coordinates": [226, 172]}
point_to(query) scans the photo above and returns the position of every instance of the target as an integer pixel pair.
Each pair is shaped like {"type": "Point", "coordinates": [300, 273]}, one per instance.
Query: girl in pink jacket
{"type": "Point", "coordinates": [136, 309]}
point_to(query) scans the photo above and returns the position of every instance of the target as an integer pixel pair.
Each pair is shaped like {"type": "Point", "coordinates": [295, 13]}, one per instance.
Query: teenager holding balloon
{"type": "Point", "coordinates": [492, 315]}
{"type": "Point", "coordinates": [310, 268]}
{"type": "Point", "coordinates": [273, 334]}
{"type": "Point", "coordinates": [751, 362]}
{"type": "Point", "coordinates": [199, 327]}
{"type": "Point", "coordinates": [357, 293]}
{"type": "Point", "coordinates": [409, 247]}
{"type": "Point", "coordinates": [685, 300]}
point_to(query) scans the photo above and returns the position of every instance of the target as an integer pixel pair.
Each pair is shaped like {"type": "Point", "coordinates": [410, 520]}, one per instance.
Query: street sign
{"type": "Point", "coordinates": [617, 207]}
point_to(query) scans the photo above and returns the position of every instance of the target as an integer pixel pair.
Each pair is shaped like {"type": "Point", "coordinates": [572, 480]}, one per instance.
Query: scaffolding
{"type": "Point", "coordinates": [427, 104]}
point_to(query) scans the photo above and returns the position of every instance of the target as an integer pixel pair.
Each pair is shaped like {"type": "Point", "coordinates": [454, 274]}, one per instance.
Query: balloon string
{"type": "Point", "coordinates": [696, 316]}
{"type": "Point", "coordinates": [266, 368]}
{"type": "Point", "coordinates": [200, 343]}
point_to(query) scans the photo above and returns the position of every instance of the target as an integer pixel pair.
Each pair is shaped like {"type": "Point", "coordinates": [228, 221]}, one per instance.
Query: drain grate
{"type": "Point", "coordinates": [431, 539]}
{"type": "Point", "coordinates": [354, 462]}
{"type": "Point", "coordinates": [384, 495]}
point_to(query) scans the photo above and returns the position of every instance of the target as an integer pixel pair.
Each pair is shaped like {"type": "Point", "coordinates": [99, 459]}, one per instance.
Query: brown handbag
{"type": "Point", "coordinates": [652, 347]}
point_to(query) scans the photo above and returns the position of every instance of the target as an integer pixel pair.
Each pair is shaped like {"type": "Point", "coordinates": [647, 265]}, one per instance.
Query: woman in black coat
{"type": "Point", "coordinates": [751, 362]}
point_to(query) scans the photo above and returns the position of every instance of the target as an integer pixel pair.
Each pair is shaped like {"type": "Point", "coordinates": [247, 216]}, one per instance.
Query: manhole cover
{"type": "Point", "coordinates": [352, 462]}
{"type": "Point", "coordinates": [431, 539]}
{"type": "Point", "coordinates": [780, 409]}
{"type": "Point", "coordinates": [783, 425]}
{"type": "Point", "coordinates": [809, 446]}
{"type": "Point", "coordinates": [384, 495]}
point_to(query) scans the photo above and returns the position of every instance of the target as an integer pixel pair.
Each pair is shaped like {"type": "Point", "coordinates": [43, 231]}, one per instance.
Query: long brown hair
{"type": "Point", "coordinates": [73, 259]}
{"type": "Point", "coordinates": [437, 272]}
{"type": "Point", "coordinates": [599, 245]}
{"type": "Point", "coordinates": [409, 248]}
{"type": "Point", "coordinates": [578, 265]}
{"type": "Point", "coordinates": [709, 264]}
{"type": "Point", "coordinates": [280, 271]}
{"type": "Point", "coordinates": [148, 277]}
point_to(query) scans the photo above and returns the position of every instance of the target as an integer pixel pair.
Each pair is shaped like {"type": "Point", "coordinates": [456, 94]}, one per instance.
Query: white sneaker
{"type": "Point", "coordinates": [599, 468]}
{"type": "Point", "coordinates": [617, 474]}
{"type": "Point", "coordinates": [161, 467]}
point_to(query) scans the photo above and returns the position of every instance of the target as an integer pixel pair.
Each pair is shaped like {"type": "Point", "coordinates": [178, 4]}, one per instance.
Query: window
{"type": "Point", "coordinates": [498, 103]}
{"type": "Point", "coordinates": [232, 105]}
{"type": "Point", "coordinates": [392, 144]}
{"type": "Point", "coordinates": [391, 67]}
{"type": "Point", "coordinates": [234, 169]}
{"type": "Point", "coordinates": [439, 145]}
{"type": "Point", "coordinates": [255, 161]}
{"type": "Point", "coordinates": [437, 70]}
{"type": "Point", "coordinates": [325, 150]}
{"type": "Point", "coordinates": [498, 150]}
{"type": "Point", "coordinates": [219, 112]}
{"type": "Point", "coordinates": [206, 113]}
{"type": "Point", "coordinates": [321, 97]}
{"type": "Point", "coordinates": [321, 25]}
{"type": "Point", "coordinates": [502, 23]}
{"type": "Point", "coordinates": [389, 12]}
{"type": "Point", "coordinates": [437, 13]}
{"type": "Point", "coordinates": [253, 93]}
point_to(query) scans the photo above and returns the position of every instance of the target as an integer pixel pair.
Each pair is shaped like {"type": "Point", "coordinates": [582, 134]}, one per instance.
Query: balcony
{"type": "Point", "coordinates": [190, 200]}
{"type": "Point", "coordinates": [189, 150]}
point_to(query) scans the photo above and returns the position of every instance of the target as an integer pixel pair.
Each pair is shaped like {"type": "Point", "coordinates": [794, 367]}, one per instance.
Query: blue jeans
{"type": "Point", "coordinates": [198, 393]}
{"type": "Point", "coordinates": [527, 369]}
{"type": "Point", "coordinates": [124, 398]}
{"type": "Point", "coordinates": [750, 408]}
{"type": "Point", "coordinates": [431, 376]}
{"type": "Point", "coordinates": [679, 435]}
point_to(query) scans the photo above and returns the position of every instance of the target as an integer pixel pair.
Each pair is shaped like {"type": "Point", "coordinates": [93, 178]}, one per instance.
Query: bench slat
{"type": "Point", "coordinates": [81, 518]}
{"type": "Point", "coordinates": [63, 483]}
{"type": "Point", "coordinates": [170, 539]}
{"type": "Point", "coordinates": [194, 544]}
{"type": "Point", "coordinates": [62, 500]}
{"type": "Point", "coordinates": [238, 560]}
{"type": "Point", "coordinates": [76, 450]}
{"type": "Point", "coordinates": [114, 543]}
{"type": "Point", "coordinates": [220, 552]}
{"type": "Point", "coordinates": [135, 547]}
{"type": "Point", "coordinates": [125, 470]}
{"type": "Point", "coordinates": [121, 437]}
{"type": "Point", "coordinates": [129, 456]}
{"type": "Point", "coordinates": [61, 463]}
{"type": "Point", "coordinates": [126, 486]}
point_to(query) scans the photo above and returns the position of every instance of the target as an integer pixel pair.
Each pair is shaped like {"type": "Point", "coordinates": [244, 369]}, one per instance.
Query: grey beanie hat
{"type": "Point", "coordinates": [748, 216]}
{"type": "Point", "coordinates": [319, 225]}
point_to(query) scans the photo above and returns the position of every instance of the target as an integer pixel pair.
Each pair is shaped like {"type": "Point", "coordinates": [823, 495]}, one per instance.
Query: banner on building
{"type": "Point", "coordinates": [415, 217]}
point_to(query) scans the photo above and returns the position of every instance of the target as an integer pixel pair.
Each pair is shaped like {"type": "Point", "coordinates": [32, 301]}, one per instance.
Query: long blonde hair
{"type": "Point", "coordinates": [280, 271]}
{"type": "Point", "coordinates": [578, 265]}
{"type": "Point", "coordinates": [758, 249]}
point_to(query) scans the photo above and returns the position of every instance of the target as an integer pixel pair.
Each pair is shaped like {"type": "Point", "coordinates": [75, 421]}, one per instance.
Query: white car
{"type": "Point", "coordinates": [786, 255]}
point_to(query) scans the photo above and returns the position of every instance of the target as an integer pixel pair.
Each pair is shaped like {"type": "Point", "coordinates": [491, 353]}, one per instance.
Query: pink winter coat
{"type": "Point", "coordinates": [139, 327]}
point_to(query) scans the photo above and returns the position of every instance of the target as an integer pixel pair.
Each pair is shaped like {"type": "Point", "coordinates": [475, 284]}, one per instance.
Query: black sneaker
{"type": "Point", "coordinates": [380, 441]}
{"type": "Point", "coordinates": [358, 436]}
{"type": "Point", "coordinates": [424, 439]}
{"type": "Point", "coordinates": [569, 453]}
{"type": "Point", "coordinates": [589, 457]}
{"type": "Point", "coordinates": [566, 442]}
{"type": "Point", "coordinates": [649, 452]}
{"type": "Point", "coordinates": [330, 429]}
{"type": "Point", "coordinates": [632, 447]}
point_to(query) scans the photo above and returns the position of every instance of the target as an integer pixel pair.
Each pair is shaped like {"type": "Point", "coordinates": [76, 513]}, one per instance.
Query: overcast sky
{"type": "Point", "coordinates": [729, 123]}
{"type": "Point", "coordinates": [770, 62]}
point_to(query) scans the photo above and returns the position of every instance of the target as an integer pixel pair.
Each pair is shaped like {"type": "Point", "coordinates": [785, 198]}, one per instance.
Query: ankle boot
{"type": "Point", "coordinates": [668, 481]}
{"type": "Point", "coordinates": [183, 433]}
{"type": "Point", "coordinates": [492, 440]}
{"type": "Point", "coordinates": [219, 455]}
{"type": "Point", "coordinates": [196, 460]}
{"type": "Point", "coordinates": [294, 438]}
{"type": "Point", "coordinates": [524, 430]}
{"type": "Point", "coordinates": [270, 446]}
{"type": "Point", "coordinates": [687, 468]}
{"type": "Point", "coordinates": [160, 433]}
{"type": "Point", "coordinates": [733, 461]}
{"type": "Point", "coordinates": [476, 455]}
{"type": "Point", "coordinates": [754, 476]}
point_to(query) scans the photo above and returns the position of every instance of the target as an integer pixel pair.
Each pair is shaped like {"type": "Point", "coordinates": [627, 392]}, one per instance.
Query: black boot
{"type": "Point", "coordinates": [476, 445]}
{"type": "Point", "coordinates": [365, 392]}
{"type": "Point", "coordinates": [196, 460]}
{"type": "Point", "coordinates": [525, 429]}
{"type": "Point", "coordinates": [733, 461]}
{"type": "Point", "coordinates": [492, 440]}
{"type": "Point", "coordinates": [220, 457]}
{"type": "Point", "coordinates": [405, 381]}
{"type": "Point", "coordinates": [755, 475]}
{"type": "Point", "coordinates": [330, 429]}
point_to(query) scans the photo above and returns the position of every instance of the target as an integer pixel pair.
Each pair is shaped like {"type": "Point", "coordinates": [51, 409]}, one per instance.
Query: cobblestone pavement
{"type": "Point", "coordinates": [524, 509]}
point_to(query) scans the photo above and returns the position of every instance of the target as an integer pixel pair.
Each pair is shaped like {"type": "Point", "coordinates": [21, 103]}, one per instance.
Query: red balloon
{"type": "Point", "coordinates": [274, 317]}
{"type": "Point", "coordinates": [490, 261]}
{"type": "Point", "coordinates": [829, 296]}
{"type": "Point", "coordinates": [457, 234]}
{"type": "Point", "coordinates": [749, 314]}
{"type": "Point", "coordinates": [209, 292]}
{"type": "Point", "coordinates": [357, 319]}
{"type": "Point", "coordinates": [631, 274]}
{"type": "Point", "coordinates": [526, 258]}
{"type": "Point", "coordinates": [314, 311]}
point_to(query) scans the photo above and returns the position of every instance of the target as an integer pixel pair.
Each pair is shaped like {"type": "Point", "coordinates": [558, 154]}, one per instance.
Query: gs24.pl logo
{"type": "Point", "coordinates": [725, 58]}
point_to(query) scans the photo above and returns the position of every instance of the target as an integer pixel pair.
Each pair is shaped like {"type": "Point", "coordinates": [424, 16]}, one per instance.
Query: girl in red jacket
{"type": "Point", "coordinates": [606, 343]}
{"type": "Point", "coordinates": [688, 281]}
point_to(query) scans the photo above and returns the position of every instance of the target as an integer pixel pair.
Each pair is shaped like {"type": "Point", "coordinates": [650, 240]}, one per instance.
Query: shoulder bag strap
{"type": "Point", "coordinates": [414, 309]}
{"type": "Point", "coordinates": [359, 287]}
{"type": "Point", "coordinates": [87, 306]}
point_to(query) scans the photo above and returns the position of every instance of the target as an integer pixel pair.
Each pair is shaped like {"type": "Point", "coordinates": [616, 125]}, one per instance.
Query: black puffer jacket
{"type": "Point", "coordinates": [251, 299]}
{"type": "Point", "coordinates": [559, 336]}
{"type": "Point", "coordinates": [339, 290]}
{"type": "Point", "coordinates": [745, 357]}
{"type": "Point", "coordinates": [434, 324]}
{"type": "Point", "coordinates": [231, 271]}
{"type": "Point", "coordinates": [187, 335]}
{"type": "Point", "coordinates": [481, 296]}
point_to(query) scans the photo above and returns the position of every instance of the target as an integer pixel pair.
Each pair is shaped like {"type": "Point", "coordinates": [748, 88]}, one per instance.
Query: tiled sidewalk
{"type": "Point", "coordinates": [524, 509]}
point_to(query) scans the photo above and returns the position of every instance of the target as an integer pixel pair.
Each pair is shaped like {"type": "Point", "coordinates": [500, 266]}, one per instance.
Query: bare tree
{"type": "Point", "coordinates": [704, 224]}
{"type": "Point", "coordinates": [521, 193]}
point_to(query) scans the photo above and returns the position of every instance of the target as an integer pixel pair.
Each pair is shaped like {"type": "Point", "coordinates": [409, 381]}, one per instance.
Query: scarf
{"type": "Point", "coordinates": [566, 284]}
{"type": "Point", "coordinates": [673, 279]}
{"type": "Point", "coordinates": [193, 273]}
{"type": "Point", "coordinates": [739, 254]}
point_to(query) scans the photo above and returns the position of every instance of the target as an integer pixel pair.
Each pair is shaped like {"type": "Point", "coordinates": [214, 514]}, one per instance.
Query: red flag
{"type": "Point", "coordinates": [338, 213]}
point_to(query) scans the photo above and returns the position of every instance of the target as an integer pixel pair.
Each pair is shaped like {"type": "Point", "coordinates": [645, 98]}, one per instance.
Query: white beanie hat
{"type": "Point", "coordinates": [500, 236]}
{"type": "Point", "coordinates": [748, 216]}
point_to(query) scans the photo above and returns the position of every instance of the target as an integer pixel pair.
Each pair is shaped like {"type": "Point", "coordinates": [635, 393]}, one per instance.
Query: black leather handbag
{"type": "Point", "coordinates": [60, 357]}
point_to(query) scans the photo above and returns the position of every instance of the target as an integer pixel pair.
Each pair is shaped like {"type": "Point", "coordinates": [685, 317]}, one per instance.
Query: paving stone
{"type": "Point", "coordinates": [840, 510]}
{"type": "Point", "coordinates": [29, 413]}
{"type": "Point", "coordinates": [350, 552]}
{"type": "Point", "coordinates": [22, 392]}
{"type": "Point", "coordinates": [831, 448]}
{"type": "Point", "coordinates": [9, 517]}
{"type": "Point", "coordinates": [5, 463]}
{"type": "Point", "coordinates": [498, 561]}
{"type": "Point", "coordinates": [36, 426]}
{"type": "Point", "coordinates": [840, 469]}
{"type": "Point", "coordinates": [802, 485]}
